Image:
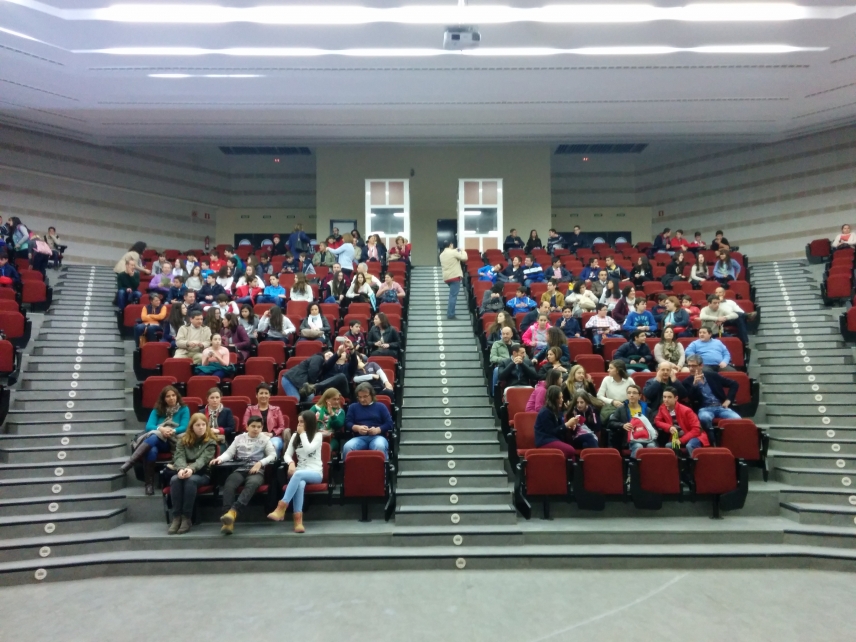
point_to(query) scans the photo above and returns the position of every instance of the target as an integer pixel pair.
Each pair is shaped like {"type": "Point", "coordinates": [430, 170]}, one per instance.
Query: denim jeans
{"type": "Point", "coordinates": [183, 493]}
{"type": "Point", "coordinates": [692, 444]}
{"type": "Point", "coordinates": [158, 446]}
{"type": "Point", "coordinates": [708, 414]}
{"type": "Point", "coordinates": [495, 380]}
{"type": "Point", "coordinates": [124, 298]}
{"type": "Point", "coordinates": [294, 491]}
{"type": "Point", "coordinates": [454, 288]}
{"type": "Point", "coordinates": [366, 442]}
{"type": "Point", "coordinates": [244, 300]}
{"type": "Point", "coordinates": [739, 325]}
{"type": "Point", "coordinates": [289, 389]}
{"type": "Point", "coordinates": [150, 331]}
{"type": "Point", "coordinates": [635, 446]}
{"type": "Point", "coordinates": [271, 299]}
{"type": "Point", "coordinates": [276, 442]}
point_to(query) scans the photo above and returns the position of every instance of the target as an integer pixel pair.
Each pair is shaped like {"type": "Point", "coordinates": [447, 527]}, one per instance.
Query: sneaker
{"type": "Point", "coordinates": [306, 390]}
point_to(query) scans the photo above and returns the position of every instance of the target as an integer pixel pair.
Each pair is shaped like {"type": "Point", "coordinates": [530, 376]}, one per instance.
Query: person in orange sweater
{"type": "Point", "coordinates": [152, 316]}
{"type": "Point", "coordinates": [674, 418]}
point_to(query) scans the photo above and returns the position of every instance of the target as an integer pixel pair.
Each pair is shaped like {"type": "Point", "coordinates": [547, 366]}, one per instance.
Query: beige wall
{"type": "Point", "coordinates": [231, 221]}
{"type": "Point", "coordinates": [636, 220]}
{"type": "Point", "coordinates": [525, 170]}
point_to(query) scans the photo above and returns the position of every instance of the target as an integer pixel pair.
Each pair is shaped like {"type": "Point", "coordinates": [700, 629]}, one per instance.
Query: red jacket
{"type": "Point", "coordinates": [275, 420]}
{"type": "Point", "coordinates": [687, 421]}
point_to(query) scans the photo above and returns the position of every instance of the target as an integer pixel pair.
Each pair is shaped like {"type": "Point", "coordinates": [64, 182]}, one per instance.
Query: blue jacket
{"type": "Point", "coordinates": [293, 240]}
{"type": "Point", "coordinates": [718, 386]}
{"type": "Point", "coordinates": [548, 427]}
{"type": "Point", "coordinates": [732, 271]}
{"type": "Point", "coordinates": [375, 415]}
{"type": "Point", "coordinates": [635, 320]}
{"type": "Point", "coordinates": [661, 244]}
{"type": "Point", "coordinates": [10, 271]}
{"type": "Point", "coordinates": [630, 348]}
{"type": "Point", "coordinates": [712, 352]}
{"type": "Point", "coordinates": [524, 304]}
{"type": "Point", "coordinates": [486, 273]}
{"type": "Point", "coordinates": [681, 319]}
{"type": "Point", "coordinates": [589, 273]}
{"type": "Point", "coordinates": [211, 290]}
{"type": "Point", "coordinates": [570, 326]}
{"type": "Point", "coordinates": [176, 294]}
{"type": "Point", "coordinates": [534, 273]}
{"type": "Point", "coordinates": [274, 290]}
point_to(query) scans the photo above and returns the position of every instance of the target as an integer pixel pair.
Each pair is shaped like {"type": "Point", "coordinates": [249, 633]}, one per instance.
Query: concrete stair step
{"type": "Point", "coordinates": [86, 351]}
{"type": "Point", "coordinates": [11, 488]}
{"type": "Point", "coordinates": [451, 478]}
{"type": "Point", "coordinates": [816, 368]}
{"type": "Point", "coordinates": [824, 446]}
{"type": "Point", "coordinates": [436, 372]}
{"type": "Point", "coordinates": [59, 470]}
{"type": "Point", "coordinates": [803, 394]}
{"type": "Point", "coordinates": [839, 462]}
{"type": "Point", "coordinates": [29, 422]}
{"type": "Point", "coordinates": [823, 330]}
{"type": "Point", "coordinates": [801, 377]}
{"type": "Point", "coordinates": [482, 403]}
{"type": "Point", "coordinates": [64, 523]}
{"type": "Point", "coordinates": [457, 497]}
{"type": "Point", "coordinates": [785, 361]}
{"type": "Point", "coordinates": [840, 496]}
{"type": "Point", "coordinates": [416, 383]}
{"type": "Point", "coordinates": [87, 364]}
{"type": "Point", "coordinates": [59, 454]}
{"type": "Point", "coordinates": [821, 514]}
{"type": "Point", "coordinates": [780, 389]}
{"type": "Point", "coordinates": [61, 504]}
{"type": "Point", "coordinates": [107, 325]}
{"type": "Point", "coordinates": [437, 392]}
{"type": "Point", "coordinates": [43, 385]}
{"type": "Point", "coordinates": [454, 515]}
{"type": "Point", "coordinates": [60, 438]}
{"type": "Point", "coordinates": [428, 356]}
{"type": "Point", "coordinates": [410, 434]}
{"type": "Point", "coordinates": [810, 410]}
{"type": "Point", "coordinates": [484, 413]}
{"type": "Point", "coordinates": [458, 535]}
{"type": "Point", "coordinates": [451, 464]}
{"type": "Point", "coordinates": [796, 354]}
{"type": "Point", "coordinates": [805, 476]}
{"type": "Point", "coordinates": [830, 432]}
{"type": "Point", "coordinates": [448, 448]}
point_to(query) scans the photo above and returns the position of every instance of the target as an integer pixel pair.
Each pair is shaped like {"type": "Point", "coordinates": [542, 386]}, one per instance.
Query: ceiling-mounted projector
{"type": "Point", "coordinates": [457, 38]}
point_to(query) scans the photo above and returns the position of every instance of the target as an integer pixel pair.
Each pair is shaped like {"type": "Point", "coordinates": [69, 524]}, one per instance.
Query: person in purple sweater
{"type": "Point", "coordinates": [368, 421]}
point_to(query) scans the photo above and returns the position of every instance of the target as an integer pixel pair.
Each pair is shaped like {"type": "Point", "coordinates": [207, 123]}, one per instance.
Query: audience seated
{"type": "Point", "coordinates": [191, 340]}
{"type": "Point", "coordinates": [635, 354]}
{"type": "Point", "coordinates": [168, 420]}
{"type": "Point", "coordinates": [189, 471]}
{"type": "Point", "coordinates": [219, 417]}
{"type": "Point", "coordinates": [613, 389]}
{"type": "Point", "coordinates": [713, 352]}
{"type": "Point", "coordinates": [275, 326]}
{"type": "Point", "coordinates": [621, 428]}
{"type": "Point", "coordinates": [667, 376]}
{"type": "Point", "coordinates": [383, 340]}
{"type": "Point", "coordinates": [331, 417]}
{"type": "Point", "coordinates": [602, 326]}
{"type": "Point", "coordinates": [679, 423]}
{"type": "Point", "coordinates": [315, 326]}
{"type": "Point", "coordinates": [251, 451]}
{"type": "Point", "coordinates": [306, 445]}
{"type": "Point", "coordinates": [710, 394]}
{"type": "Point", "coordinates": [368, 422]}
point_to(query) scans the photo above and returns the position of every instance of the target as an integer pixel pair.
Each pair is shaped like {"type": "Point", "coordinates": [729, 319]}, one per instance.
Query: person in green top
{"type": "Point", "coordinates": [128, 285]}
{"type": "Point", "coordinates": [331, 418]}
{"type": "Point", "coordinates": [194, 450]}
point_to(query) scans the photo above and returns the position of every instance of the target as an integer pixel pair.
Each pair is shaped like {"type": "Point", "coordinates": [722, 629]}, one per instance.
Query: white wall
{"type": "Point", "coordinates": [769, 199]}
{"type": "Point", "coordinates": [102, 200]}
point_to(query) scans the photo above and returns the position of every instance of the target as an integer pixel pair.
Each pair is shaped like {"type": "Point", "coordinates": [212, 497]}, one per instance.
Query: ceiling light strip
{"type": "Point", "coordinates": [443, 14]}
{"type": "Point", "coordinates": [307, 52]}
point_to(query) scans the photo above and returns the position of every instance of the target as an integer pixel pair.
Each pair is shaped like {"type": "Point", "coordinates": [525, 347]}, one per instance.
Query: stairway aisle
{"type": "Point", "coordinates": [452, 483]}
{"type": "Point", "coordinates": [65, 437]}
{"type": "Point", "coordinates": [808, 381]}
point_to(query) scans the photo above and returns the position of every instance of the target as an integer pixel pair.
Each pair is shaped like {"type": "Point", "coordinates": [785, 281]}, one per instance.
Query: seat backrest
{"type": "Point", "coordinates": [597, 378]}
{"type": "Point", "coordinates": [365, 474]}
{"type": "Point", "coordinates": [152, 387]}
{"type": "Point", "coordinates": [288, 405]}
{"type": "Point", "coordinates": [517, 398]}
{"type": "Point", "coordinates": [245, 386]}
{"type": "Point", "coordinates": [394, 321]}
{"type": "Point", "coordinates": [330, 308]}
{"type": "Point", "coordinates": [735, 348]}
{"type": "Point", "coordinates": [193, 404]}
{"type": "Point", "coordinates": [741, 437]}
{"type": "Point", "coordinates": [32, 275]}
{"type": "Point", "coordinates": [307, 348]}
{"type": "Point", "coordinates": [153, 354]}
{"type": "Point", "coordinates": [610, 346]}
{"type": "Point", "coordinates": [198, 386]}
{"type": "Point", "coordinates": [591, 362]}
{"type": "Point", "coordinates": [393, 308]}
{"type": "Point", "coordinates": [740, 288]}
{"type": "Point", "coordinates": [643, 377]}
{"type": "Point", "coordinates": [384, 362]}
{"type": "Point", "coordinates": [264, 367]}
{"type": "Point", "coordinates": [132, 312]}
{"type": "Point", "coordinates": [714, 471]}
{"type": "Point", "coordinates": [272, 349]}
{"type": "Point", "coordinates": [181, 369]}
{"type": "Point", "coordinates": [603, 471]}
{"type": "Point", "coordinates": [744, 392]}
{"type": "Point", "coordinates": [10, 305]}
{"type": "Point", "coordinates": [13, 324]}
{"type": "Point", "coordinates": [7, 294]}
{"type": "Point", "coordinates": [658, 468]}
{"type": "Point", "coordinates": [577, 347]}
{"type": "Point", "coordinates": [238, 405]}
{"type": "Point", "coordinates": [524, 425]}
{"type": "Point", "coordinates": [546, 472]}
{"type": "Point", "coordinates": [7, 357]}
{"type": "Point", "coordinates": [364, 309]}
{"type": "Point", "coordinates": [260, 308]}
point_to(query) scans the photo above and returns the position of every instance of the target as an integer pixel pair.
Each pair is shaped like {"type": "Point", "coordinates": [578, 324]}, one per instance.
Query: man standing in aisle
{"type": "Point", "coordinates": [450, 261]}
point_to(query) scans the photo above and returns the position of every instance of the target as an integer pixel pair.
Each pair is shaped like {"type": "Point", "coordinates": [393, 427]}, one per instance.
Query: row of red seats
{"type": "Point", "coordinates": [600, 475]}
{"type": "Point", "coordinates": [837, 286]}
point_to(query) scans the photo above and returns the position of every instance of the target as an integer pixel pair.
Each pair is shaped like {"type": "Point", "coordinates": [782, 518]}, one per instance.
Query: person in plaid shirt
{"type": "Point", "coordinates": [602, 326]}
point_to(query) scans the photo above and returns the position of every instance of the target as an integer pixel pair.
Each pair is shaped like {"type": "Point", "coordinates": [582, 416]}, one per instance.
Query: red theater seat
{"type": "Point", "coordinates": [597, 475]}
{"type": "Point", "coordinates": [654, 473]}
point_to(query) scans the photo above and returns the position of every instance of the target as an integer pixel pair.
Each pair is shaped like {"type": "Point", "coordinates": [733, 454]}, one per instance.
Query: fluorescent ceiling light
{"type": "Point", "coordinates": [472, 212]}
{"type": "Point", "coordinates": [398, 214]}
{"type": "Point", "coordinates": [443, 14]}
{"type": "Point", "coordinates": [175, 76]}
{"type": "Point", "coordinates": [300, 52]}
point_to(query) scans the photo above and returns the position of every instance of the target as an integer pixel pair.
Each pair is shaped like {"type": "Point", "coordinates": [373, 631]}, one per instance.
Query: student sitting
{"type": "Point", "coordinates": [536, 336]}
{"type": "Point", "coordinates": [168, 419]}
{"type": "Point", "coordinates": [127, 282]}
{"type": "Point", "coordinates": [331, 417]}
{"type": "Point", "coordinates": [532, 317]}
{"type": "Point", "coordinates": [368, 421]}
{"type": "Point", "coordinates": [640, 318]}
{"type": "Point", "coordinates": [583, 422]}
{"type": "Point", "coordinates": [248, 287]}
{"type": "Point", "coordinates": [489, 272]}
{"type": "Point", "coordinates": [555, 298]}
{"type": "Point", "coordinates": [521, 303]}
{"type": "Point", "coordinates": [275, 325]}
{"type": "Point", "coordinates": [356, 336]}
{"type": "Point", "coordinates": [252, 450]}
{"type": "Point", "coordinates": [306, 444]}
{"type": "Point", "coordinates": [193, 451]}
{"type": "Point", "coordinates": [219, 417]}
{"type": "Point", "coordinates": [274, 293]}
{"type": "Point", "coordinates": [602, 326]}
{"type": "Point", "coordinates": [713, 352]}
{"type": "Point", "coordinates": [568, 324]}
{"type": "Point", "coordinates": [550, 425]}
{"type": "Point", "coordinates": [614, 271]}
{"type": "Point", "coordinates": [323, 256]}
{"type": "Point", "coordinates": [620, 427]}
{"type": "Point", "coordinates": [667, 375]}
{"type": "Point", "coordinates": [707, 393]}
{"type": "Point", "coordinates": [390, 291]}
{"type": "Point", "coordinates": [273, 421]}
{"type": "Point", "coordinates": [680, 422]}
{"type": "Point", "coordinates": [177, 290]}
{"type": "Point", "coordinates": [532, 272]}
{"type": "Point", "coordinates": [301, 291]}
{"type": "Point", "coordinates": [315, 326]}
{"type": "Point", "coordinates": [216, 360]}
{"type": "Point", "coordinates": [558, 273]}
{"type": "Point", "coordinates": [191, 340]}
{"type": "Point", "coordinates": [512, 272]}
{"type": "Point", "coordinates": [726, 269]}
{"type": "Point", "coordinates": [383, 339]}
{"type": "Point", "coordinates": [635, 354]}
{"type": "Point", "coordinates": [372, 373]}
{"type": "Point", "coordinates": [152, 316]}
{"type": "Point", "coordinates": [211, 290]}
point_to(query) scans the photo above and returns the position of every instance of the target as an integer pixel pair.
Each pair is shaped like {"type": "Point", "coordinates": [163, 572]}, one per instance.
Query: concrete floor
{"type": "Point", "coordinates": [524, 606]}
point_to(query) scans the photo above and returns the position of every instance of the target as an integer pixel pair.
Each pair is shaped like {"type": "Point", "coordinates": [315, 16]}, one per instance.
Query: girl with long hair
{"type": "Point", "coordinates": [196, 448]}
